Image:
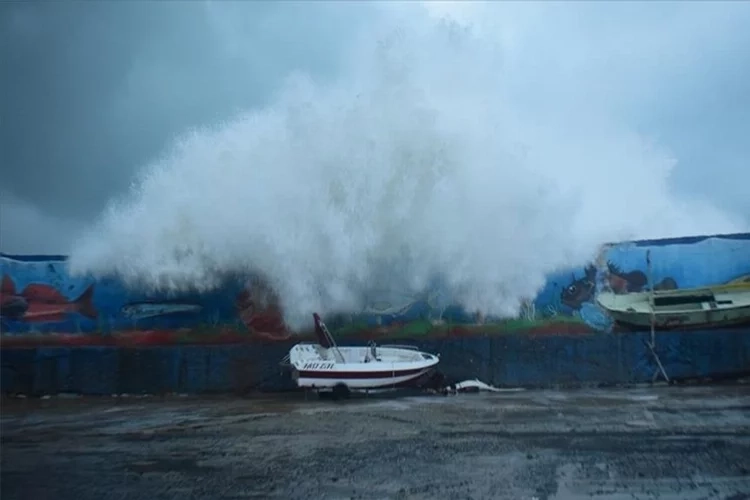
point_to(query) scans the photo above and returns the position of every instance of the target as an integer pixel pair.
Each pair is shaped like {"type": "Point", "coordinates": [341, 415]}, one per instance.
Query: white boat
{"type": "Point", "coordinates": [709, 307]}
{"type": "Point", "coordinates": [324, 366]}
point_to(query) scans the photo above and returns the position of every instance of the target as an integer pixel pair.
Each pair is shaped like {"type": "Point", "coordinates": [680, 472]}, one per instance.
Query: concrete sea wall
{"type": "Point", "coordinates": [506, 360]}
{"type": "Point", "coordinates": [64, 334]}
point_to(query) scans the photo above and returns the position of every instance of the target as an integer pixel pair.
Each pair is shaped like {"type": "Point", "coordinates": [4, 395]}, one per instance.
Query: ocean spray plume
{"type": "Point", "coordinates": [415, 163]}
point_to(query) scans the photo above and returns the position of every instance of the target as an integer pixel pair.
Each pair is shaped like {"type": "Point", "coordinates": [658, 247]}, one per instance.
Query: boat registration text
{"type": "Point", "coordinates": [318, 366]}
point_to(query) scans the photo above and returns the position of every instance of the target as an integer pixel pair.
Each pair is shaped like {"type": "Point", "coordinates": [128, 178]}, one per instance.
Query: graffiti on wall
{"type": "Point", "coordinates": [38, 297]}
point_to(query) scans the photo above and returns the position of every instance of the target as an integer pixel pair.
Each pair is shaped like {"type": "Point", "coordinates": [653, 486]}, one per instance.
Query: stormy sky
{"type": "Point", "coordinates": [93, 91]}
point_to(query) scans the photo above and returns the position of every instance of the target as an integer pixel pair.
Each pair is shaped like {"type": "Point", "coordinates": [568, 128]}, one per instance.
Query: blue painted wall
{"type": "Point", "coordinates": [39, 296]}
{"type": "Point", "coordinates": [622, 268]}
{"type": "Point", "coordinates": [110, 307]}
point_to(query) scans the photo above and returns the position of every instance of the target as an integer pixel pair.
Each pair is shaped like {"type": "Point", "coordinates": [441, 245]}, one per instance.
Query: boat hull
{"type": "Point", "coordinates": [692, 308]}
{"type": "Point", "coordinates": [359, 381]}
{"type": "Point", "coordinates": [676, 321]}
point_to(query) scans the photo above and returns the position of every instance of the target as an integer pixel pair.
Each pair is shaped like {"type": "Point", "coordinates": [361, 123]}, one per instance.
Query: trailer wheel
{"type": "Point", "coordinates": [340, 391]}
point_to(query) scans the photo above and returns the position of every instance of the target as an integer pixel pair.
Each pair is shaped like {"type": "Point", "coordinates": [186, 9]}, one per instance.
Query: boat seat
{"type": "Point", "coordinates": [322, 352]}
{"type": "Point", "coordinates": [373, 352]}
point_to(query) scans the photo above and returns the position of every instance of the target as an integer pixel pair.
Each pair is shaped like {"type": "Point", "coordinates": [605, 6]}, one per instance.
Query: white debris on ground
{"type": "Point", "coordinates": [478, 385]}
{"type": "Point", "coordinates": [474, 385]}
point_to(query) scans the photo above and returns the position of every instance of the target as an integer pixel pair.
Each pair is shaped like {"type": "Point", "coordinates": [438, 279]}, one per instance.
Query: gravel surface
{"type": "Point", "coordinates": [669, 443]}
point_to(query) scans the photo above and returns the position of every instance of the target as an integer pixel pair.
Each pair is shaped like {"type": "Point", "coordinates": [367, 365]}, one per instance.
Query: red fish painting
{"type": "Point", "coordinates": [41, 303]}
{"type": "Point", "coordinates": [261, 314]}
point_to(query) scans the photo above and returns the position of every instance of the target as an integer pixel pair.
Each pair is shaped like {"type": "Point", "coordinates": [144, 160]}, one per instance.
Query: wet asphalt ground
{"type": "Point", "coordinates": [669, 443]}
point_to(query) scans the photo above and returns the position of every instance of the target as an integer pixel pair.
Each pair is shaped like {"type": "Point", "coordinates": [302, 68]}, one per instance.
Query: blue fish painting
{"type": "Point", "coordinates": [143, 310]}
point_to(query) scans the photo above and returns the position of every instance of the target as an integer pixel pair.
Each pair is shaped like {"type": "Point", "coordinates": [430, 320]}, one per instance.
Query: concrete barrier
{"type": "Point", "coordinates": [503, 360]}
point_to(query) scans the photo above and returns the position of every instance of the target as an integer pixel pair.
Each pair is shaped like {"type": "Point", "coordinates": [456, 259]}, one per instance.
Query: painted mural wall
{"type": "Point", "coordinates": [39, 299]}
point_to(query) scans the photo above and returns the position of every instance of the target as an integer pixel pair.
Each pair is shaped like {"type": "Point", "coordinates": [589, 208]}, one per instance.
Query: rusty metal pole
{"type": "Point", "coordinates": [651, 303]}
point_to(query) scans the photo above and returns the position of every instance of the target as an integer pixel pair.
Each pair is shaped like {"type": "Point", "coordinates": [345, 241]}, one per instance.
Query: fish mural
{"type": "Point", "coordinates": [580, 290]}
{"type": "Point", "coordinates": [390, 305]}
{"type": "Point", "coordinates": [620, 281]}
{"type": "Point", "coordinates": [386, 306]}
{"type": "Point", "coordinates": [633, 281]}
{"type": "Point", "coordinates": [151, 309]}
{"type": "Point", "coordinates": [583, 290]}
{"type": "Point", "coordinates": [259, 311]}
{"type": "Point", "coordinates": [39, 296]}
{"type": "Point", "coordinates": [39, 302]}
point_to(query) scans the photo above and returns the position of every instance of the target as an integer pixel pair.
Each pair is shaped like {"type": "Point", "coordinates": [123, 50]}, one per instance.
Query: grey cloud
{"type": "Point", "coordinates": [675, 72]}
{"type": "Point", "coordinates": [32, 230]}
{"type": "Point", "coordinates": [91, 91]}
